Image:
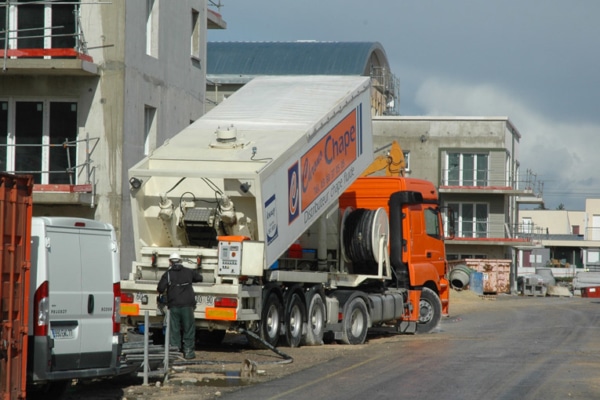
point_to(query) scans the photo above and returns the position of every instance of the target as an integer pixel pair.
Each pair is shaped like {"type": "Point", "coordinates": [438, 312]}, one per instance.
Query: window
{"type": "Point", "coordinates": [43, 26]}
{"type": "Point", "coordinates": [195, 35]}
{"type": "Point", "coordinates": [406, 160]}
{"type": "Point", "coordinates": [3, 11]}
{"type": "Point", "coordinates": [149, 129]}
{"type": "Point", "coordinates": [152, 28]}
{"type": "Point", "coordinates": [432, 223]}
{"type": "Point", "coordinates": [466, 169]}
{"type": "Point", "coordinates": [471, 219]}
{"type": "Point", "coordinates": [40, 129]}
{"type": "Point", "coordinates": [3, 134]}
{"type": "Point", "coordinates": [527, 225]}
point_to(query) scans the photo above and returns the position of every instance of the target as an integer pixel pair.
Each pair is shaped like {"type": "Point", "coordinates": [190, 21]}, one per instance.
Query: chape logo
{"type": "Point", "coordinates": [328, 158]}
{"type": "Point", "coordinates": [334, 148]}
{"type": "Point", "coordinates": [293, 193]}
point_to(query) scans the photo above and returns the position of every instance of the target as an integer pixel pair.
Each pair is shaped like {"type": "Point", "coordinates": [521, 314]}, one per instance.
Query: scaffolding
{"type": "Point", "coordinates": [46, 40]}
{"type": "Point", "coordinates": [80, 178]}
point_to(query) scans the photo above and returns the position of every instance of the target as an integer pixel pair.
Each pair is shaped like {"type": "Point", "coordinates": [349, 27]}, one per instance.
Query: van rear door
{"type": "Point", "coordinates": [81, 296]}
{"type": "Point", "coordinates": [98, 253]}
{"type": "Point", "coordinates": [64, 276]}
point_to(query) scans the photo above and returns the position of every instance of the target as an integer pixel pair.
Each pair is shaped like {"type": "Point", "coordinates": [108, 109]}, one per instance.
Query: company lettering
{"type": "Point", "coordinates": [334, 148]}
{"type": "Point", "coordinates": [328, 159]}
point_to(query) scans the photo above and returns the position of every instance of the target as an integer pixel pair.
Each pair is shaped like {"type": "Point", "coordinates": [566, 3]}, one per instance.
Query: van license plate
{"type": "Point", "coordinates": [62, 333]}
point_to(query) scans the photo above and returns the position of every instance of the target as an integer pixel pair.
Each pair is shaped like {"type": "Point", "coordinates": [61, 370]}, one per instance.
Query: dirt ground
{"type": "Point", "coordinates": [216, 371]}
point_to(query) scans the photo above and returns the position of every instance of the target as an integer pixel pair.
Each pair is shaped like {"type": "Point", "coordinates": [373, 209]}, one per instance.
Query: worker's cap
{"type": "Point", "coordinates": [174, 257]}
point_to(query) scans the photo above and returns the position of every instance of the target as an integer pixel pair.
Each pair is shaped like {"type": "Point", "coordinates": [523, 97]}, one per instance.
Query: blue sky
{"type": "Point", "coordinates": [535, 61]}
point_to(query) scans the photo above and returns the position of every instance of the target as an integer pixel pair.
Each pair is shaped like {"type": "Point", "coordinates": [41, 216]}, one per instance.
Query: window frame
{"type": "Point", "coordinates": [461, 179]}
{"type": "Point", "coordinates": [44, 142]}
{"type": "Point", "coordinates": [476, 233]}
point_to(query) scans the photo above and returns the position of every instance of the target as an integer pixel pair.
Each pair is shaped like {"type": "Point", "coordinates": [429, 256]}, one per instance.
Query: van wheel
{"type": "Point", "coordinates": [356, 321]}
{"type": "Point", "coordinates": [430, 311]}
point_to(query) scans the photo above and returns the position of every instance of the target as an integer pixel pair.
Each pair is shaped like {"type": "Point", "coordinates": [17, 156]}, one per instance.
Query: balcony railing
{"type": "Point", "coordinates": [486, 231]}
{"type": "Point", "coordinates": [539, 233]}
{"type": "Point", "coordinates": [45, 41]}
{"type": "Point", "coordinates": [64, 175]}
{"type": "Point", "coordinates": [480, 179]}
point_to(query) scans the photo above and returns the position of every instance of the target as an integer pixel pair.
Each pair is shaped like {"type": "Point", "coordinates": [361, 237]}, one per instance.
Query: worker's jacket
{"type": "Point", "coordinates": [177, 282]}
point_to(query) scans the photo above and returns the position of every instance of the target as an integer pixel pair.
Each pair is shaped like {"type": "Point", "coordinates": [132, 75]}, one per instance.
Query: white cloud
{"type": "Point", "coordinates": [563, 154]}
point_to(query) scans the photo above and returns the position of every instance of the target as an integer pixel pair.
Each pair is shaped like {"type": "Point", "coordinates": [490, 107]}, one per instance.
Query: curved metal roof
{"type": "Point", "coordinates": [294, 58]}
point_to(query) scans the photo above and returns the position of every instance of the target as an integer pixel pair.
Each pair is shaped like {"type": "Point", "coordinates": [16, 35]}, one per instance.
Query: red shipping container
{"type": "Point", "coordinates": [593, 291]}
{"type": "Point", "coordinates": [15, 231]}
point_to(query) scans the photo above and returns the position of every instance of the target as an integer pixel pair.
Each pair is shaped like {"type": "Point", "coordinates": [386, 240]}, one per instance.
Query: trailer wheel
{"type": "Point", "coordinates": [316, 318]}
{"type": "Point", "coordinates": [430, 311]}
{"type": "Point", "coordinates": [271, 317]}
{"type": "Point", "coordinates": [294, 319]}
{"type": "Point", "coordinates": [355, 323]}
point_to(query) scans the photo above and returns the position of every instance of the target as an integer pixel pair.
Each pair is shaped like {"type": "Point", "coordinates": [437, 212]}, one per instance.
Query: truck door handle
{"type": "Point", "coordinates": [428, 254]}
{"type": "Point", "coordinates": [90, 303]}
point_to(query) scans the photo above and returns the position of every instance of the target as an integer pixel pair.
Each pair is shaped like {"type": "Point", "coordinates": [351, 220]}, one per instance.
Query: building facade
{"type": "Point", "coordinates": [87, 89]}
{"type": "Point", "coordinates": [474, 161]}
{"type": "Point", "coordinates": [566, 241]}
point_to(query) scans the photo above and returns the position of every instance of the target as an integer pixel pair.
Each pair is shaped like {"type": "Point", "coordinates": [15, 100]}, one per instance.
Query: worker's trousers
{"type": "Point", "coordinates": [183, 327]}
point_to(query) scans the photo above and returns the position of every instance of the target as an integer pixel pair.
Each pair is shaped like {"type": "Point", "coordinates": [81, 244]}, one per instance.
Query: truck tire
{"type": "Point", "coordinates": [356, 321]}
{"type": "Point", "coordinates": [316, 319]}
{"type": "Point", "coordinates": [430, 311]}
{"type": "Point", "coordinates": [271, 318]}
{"type": "Point", "coordinates": [295, 316]}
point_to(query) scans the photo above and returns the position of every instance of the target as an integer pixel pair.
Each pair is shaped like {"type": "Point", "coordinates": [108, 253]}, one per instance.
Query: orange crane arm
{"type": "Point", "coordinates": [393, 162]}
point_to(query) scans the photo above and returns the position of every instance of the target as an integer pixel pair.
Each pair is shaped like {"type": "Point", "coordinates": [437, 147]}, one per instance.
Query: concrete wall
{"type": "Point", "coordinates": [111, 105]}
{"type": "Point", "coordinates": [426, 138]}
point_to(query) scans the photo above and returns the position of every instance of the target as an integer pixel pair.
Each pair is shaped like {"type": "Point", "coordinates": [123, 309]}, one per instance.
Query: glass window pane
{"type": "Point", "coordinates": [432, 226]}
{"type": "Point", "coordinates": [63, 23]}
{"type": "Point", "coordinates": [2, 22]}
{"type": "Point", "coordinates": [3, 134]}
{"type": "Point", "coordinates": [481, 216]}
{"type": "Point", "coordinates": [453, 169]}
{"type": "Point", "coordinates": [30, 23]}
{"type": "Point", "coordinates": [63, 128]}
{"type": "Point", "coordinates": [28, 137]}
{"type": "Point", "coordinates": [467, 220]}
{"type": "Point", "coordinates": [482, 169]}
{"type": "Point", "coordinates": [468, 169]}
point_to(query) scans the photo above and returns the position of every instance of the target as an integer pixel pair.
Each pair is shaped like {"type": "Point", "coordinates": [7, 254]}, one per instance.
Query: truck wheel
{"type": "Point", "coordinates": [294, 319]}
{"type": "Point", "coordinates": [430, 311]}
{"type": "Point", "coordinates": [355, 323]}
{"type": "Point", "coordinates": [316, 321]}
{"type": "Point", "coordinates": [271, 317]}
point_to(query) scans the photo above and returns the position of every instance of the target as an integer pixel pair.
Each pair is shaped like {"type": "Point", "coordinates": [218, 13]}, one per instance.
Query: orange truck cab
{"type": "Point", "coordinates": [417, 252]}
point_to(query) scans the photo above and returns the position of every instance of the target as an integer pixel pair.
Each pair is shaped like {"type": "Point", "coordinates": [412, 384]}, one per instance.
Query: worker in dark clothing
{"type": "Point", "coordinates": [181, 300]}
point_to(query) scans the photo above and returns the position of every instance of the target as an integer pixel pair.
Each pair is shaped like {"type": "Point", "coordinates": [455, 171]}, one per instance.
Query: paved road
{"type": "Point", "coordinates": [509, 348]}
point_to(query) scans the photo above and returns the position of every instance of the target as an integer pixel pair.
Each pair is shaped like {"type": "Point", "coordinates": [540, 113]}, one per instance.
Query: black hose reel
{"type": "Point", "coordinates": [361, 232]}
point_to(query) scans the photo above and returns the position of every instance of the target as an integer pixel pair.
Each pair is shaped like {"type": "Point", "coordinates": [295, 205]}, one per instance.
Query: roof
{"type": "Point", "coordinates": [294, 58]}
{"type": "Point", "coordinates": [268, 116]}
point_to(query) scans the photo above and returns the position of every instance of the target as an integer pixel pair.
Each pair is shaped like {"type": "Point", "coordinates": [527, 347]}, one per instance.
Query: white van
{"type": "Point", "coordinates": [75, 296]}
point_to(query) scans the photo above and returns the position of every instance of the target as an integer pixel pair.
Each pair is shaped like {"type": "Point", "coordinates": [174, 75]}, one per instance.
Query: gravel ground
{"type": "Point", "coordinates": [221, 369]}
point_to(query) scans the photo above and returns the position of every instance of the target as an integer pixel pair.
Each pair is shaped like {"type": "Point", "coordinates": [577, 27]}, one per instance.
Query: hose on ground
{"type": "Point", "coordinates": [286, 358]}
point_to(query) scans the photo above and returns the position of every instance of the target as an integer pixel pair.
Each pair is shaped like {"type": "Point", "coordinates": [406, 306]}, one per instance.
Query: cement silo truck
{"type": "Point", "coordinates": [263, 196]}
